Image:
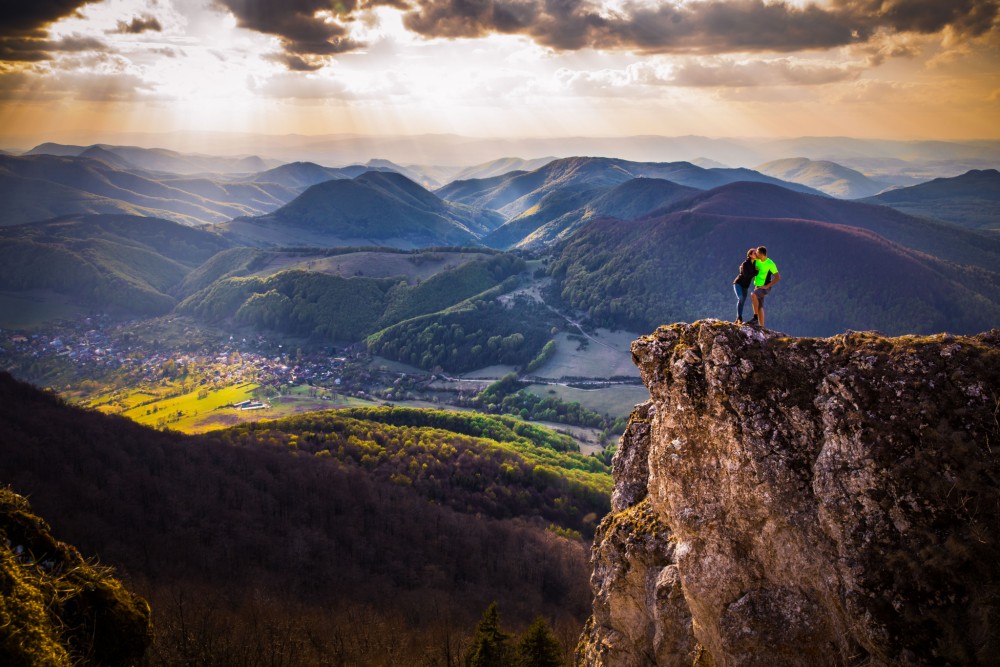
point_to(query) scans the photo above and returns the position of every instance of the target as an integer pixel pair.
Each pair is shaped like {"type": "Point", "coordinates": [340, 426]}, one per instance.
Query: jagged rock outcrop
{"type": "Point", "coordinates": [57, 609]}
{"type": "Point", "coordinates": [793, 501]}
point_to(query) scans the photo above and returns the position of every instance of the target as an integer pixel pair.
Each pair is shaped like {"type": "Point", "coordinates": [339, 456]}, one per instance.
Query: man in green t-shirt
{"type": "Point", "coordinates": [766, 278]}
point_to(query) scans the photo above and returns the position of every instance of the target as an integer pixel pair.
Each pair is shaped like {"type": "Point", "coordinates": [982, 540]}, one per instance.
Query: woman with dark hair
{"type": "Point", "coordinates": [742, 282]}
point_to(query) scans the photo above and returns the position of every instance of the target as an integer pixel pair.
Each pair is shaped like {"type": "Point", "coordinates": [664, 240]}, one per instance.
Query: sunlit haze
{"type": "Point", "coordinates": [74, 70]}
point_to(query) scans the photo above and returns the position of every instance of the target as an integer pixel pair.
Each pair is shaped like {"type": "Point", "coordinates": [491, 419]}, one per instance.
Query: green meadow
{"type": "Point", "coordinates": [616, 400]}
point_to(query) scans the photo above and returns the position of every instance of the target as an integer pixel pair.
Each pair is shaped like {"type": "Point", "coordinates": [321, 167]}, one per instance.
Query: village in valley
{"type": "Point", "coordinates": [148, 372]}
{"type": "Point", "coordinates": [175, 372]}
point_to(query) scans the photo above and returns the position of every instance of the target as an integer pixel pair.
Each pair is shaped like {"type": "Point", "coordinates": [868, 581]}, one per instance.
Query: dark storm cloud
{"type": "Point", "coordinates": [29, 17]}
{"type": "Point", "coordinates": [311, 29]}
{"type": "Point", "coordinates": [712, 26]}
{"type": "Point", "coordinates": [23, 34]}
{"type": "Point", "coordinates": [138, 25]}
{"type": "Point", "coordinates": [296, 23]}
{"type": "Point", "coordinates": [34, 50]}
{"type": "Point", "coordinates": [295, 63]}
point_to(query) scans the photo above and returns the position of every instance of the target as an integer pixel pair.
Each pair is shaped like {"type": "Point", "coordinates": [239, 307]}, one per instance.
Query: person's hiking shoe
{"type": "Point", "coordinates": [739, 320]}
{"type": "Point", "coordinates": [754, 322]}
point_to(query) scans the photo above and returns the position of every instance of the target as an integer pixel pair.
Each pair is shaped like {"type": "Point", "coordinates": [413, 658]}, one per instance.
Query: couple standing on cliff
{"type": "Point", "coordinates": [760, 271]}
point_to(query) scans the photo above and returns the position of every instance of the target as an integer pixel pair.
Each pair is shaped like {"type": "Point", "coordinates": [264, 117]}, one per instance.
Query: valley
{"type": "Point", "coordinates": [348, 392]}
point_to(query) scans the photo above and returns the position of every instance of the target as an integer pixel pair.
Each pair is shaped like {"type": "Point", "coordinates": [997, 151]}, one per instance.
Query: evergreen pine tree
{"type": "Point", "coordinates": [539, 647]}
{"type": "Point", "coordinates": [489, 646]}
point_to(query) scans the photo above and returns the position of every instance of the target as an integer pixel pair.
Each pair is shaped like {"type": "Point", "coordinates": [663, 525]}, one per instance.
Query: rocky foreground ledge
{"type": "Point", "coordinates": [799, 501]}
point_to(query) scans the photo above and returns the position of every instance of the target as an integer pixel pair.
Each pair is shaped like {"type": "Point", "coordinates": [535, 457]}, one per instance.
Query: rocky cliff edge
{"type": "Point", "coordinates": [795, 501]}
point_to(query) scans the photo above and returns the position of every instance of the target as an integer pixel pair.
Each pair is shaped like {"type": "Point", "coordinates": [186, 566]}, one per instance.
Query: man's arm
{"type": "Point", "coordinates": [774, 279]}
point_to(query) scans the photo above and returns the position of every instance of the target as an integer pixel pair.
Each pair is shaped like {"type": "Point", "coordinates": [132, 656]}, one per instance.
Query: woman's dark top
{"type": "Point", "coordinates": [747, 272]}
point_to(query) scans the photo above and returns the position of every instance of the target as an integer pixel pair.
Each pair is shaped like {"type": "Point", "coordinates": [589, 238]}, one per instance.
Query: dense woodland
{"type": "Point", "coordinates": [306, 303]}
{"type": "Point", "coordinates": [124, 263]}
{"type": "Point", "coordinates": [283, 544]}
{"type": "Point", "coordinates": [482, 333]}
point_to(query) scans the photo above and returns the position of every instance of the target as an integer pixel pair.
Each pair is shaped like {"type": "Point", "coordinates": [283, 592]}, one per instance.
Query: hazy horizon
{"type": "Point", "coordinates": [951, 157]}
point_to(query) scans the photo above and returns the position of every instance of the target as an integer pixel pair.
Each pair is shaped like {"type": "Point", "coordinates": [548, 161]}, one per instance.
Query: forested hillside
{"type": "Point", "coordinates": [482, 332]}
{"type": "Point", "coordinates": [128, 263]}
{"type": "Point", "coordinates": [309, 303]}
{"type": "Point", "coordinates": [293, 541]}
{"type": "Point", "coordinates": [679, 268]}
{"type": "Point", "coordinates": [969, 200]}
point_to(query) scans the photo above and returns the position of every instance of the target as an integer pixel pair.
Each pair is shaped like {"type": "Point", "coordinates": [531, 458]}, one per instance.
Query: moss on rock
{"type": "Point", "coordinates": [57, 609]}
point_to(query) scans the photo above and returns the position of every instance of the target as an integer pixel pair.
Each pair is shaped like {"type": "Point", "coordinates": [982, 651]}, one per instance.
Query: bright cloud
{"type": "Point", "coordinates": [517, 66]}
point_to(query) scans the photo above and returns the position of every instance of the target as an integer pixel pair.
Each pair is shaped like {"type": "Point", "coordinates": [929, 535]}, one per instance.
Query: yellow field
{"type": "Point", "coordinates": [184, 411]}
{"type": "Point", "coordinates": [189, 414]}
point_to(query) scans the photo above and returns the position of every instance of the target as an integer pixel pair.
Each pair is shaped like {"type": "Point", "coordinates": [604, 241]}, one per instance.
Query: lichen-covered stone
{"type": "Point", "coordinates": [630, 464]}
{"type": "Point", "coordinates": [828, 502]}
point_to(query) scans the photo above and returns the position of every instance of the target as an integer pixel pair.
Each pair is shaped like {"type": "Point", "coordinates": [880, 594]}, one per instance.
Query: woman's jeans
{"type": "Point", "coordinates": [741, 294]}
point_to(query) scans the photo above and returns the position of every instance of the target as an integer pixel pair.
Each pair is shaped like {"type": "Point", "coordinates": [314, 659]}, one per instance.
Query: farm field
{"type": "Point", "coordinates": [181, 412]}
{"type": "Point", "coordinates": [608, 354]}
{"type": "Point", "coordinates": [588, 438]}
{"type": "Point", "coordinates": [616, 401]}
{"type": "Point", "coordinates": [190, 414]}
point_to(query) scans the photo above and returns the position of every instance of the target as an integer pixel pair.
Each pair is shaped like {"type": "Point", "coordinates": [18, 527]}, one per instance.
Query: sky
{"type": "Point", "coordinates": [894, 69]}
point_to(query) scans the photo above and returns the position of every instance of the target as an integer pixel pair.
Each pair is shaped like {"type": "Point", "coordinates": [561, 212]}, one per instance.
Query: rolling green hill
{"type": "Point", "coordinates": [121, 262]}
{"type": "Point", "coordinates": [329, 306]}
{"type": "Point", "coordinates": [477, 333]}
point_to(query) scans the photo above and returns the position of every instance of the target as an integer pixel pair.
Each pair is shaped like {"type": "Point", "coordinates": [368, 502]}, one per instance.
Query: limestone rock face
{"type": "Point", "coordinates": [792, 501]}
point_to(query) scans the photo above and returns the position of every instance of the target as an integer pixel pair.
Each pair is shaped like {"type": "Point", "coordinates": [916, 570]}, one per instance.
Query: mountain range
{"type": "Point", "coordinates": [923, 159]}
{"type": "Point", "coordinates": [40, 187]}
{"type": "Point", "coordinates": [158, 159]}
{"type": "Point", "coordinates": [555, 209]}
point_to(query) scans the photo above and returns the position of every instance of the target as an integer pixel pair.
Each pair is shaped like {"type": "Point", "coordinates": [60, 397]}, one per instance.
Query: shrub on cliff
{"type": "Point", "coordinates": [56, 609]}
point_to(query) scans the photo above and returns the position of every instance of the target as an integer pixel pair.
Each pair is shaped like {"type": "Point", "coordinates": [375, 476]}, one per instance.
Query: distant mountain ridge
{"type": "Point", "coordinates": [971, 200]}
{"type": "Point", "coordinates": [40, 187]}
{"type": "Point", "coordinates": [559, 213]}
{"type": "Point", "coordinates": [515, 193]}
{"type": "Point", "coordinates": [375, 208]}
{"type": "Point", "coordinates": [828, 177]}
